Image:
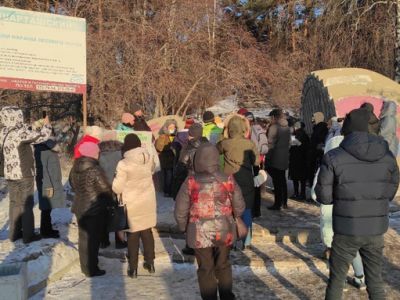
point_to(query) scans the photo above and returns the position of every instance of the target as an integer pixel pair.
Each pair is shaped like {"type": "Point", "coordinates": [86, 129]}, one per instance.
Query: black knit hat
{"type": "Point", "coordinates": [276, 112]}
{"type": "Point", "coordinates": [208, 116]}
{"type": "Point", "coordinates": [356, 120]}
{"type": "Point", "coordinates": [196, 131]}
{"type": "Point", "coordinates": [249, 116]}
{"type": "Point", "coordinates": [131, 141]}
{"type": "Point", "coordinates": [368, 106]}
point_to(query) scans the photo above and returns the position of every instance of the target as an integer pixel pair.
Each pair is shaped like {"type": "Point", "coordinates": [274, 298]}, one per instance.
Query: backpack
{"type": "Point", "coordinates": [259, 137]}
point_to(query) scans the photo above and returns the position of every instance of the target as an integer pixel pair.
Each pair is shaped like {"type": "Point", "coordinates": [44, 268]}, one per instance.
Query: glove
{"type": "Point", "coordinates": [49, 192]}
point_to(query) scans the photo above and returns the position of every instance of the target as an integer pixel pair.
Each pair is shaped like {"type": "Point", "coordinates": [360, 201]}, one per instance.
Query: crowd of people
{"type": "Point", "coordinates": [214, 170]}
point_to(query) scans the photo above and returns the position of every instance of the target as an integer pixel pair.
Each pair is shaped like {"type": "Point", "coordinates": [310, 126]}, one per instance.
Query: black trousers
{"type": "Point", "coordinates": [90, 235]}
{"type": "Point", "coordinates": [297, 184]}
{"type": "Point", "coordinates": [22, 223]}
{"type": "Point", "coordinates": [167, 176]}
{"type": "Point", "coordinates": [344, 249]}
{"type": "Point", "coordinates": [214, 273]}
{"type": "Point", "coordinates": [45, 221]}
{"type": "Point", "coordinates": [133, 247]}
{"type": "Point", "coordinates": [280, 186]}
{"type": "Point", "coordinates": [257, 196]}
{"type": "Point", "coordinates": [106, 237]}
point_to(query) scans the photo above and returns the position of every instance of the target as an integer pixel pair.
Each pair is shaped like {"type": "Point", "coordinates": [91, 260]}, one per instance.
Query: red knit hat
{"type": "Point", "coordinates": [189, 122]}
{"type": "Point", "coordinates": [242, 111]}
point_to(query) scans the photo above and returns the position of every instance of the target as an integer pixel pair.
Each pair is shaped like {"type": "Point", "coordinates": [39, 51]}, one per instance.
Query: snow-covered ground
{"type": "Point", "coordinates": [46, 258]}
{"type": "Point", "coordinates": [56, 261]}
{"type": "Point", "coordinates": [49, 259]}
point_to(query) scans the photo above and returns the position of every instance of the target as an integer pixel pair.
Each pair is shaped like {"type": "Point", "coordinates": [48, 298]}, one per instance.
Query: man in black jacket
{"type": "Point", "coordinates": [359, 178]}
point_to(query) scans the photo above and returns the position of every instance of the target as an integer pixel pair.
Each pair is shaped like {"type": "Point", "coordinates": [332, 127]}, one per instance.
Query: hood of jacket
{"type": "Point", "coordinates": [52, 145]}
{"type": "Point", "coordinates": [11, 116]}
{"type": "Point", "coordinates": [283, 122]}
{"type": "Point", "coordinates": [236, 127]}
{"type": "Point", "coordinates": [110, 146]}
{"type": "Point", "coordinates": [389, 109]}
{"type": "Point", "coordinates": [195, 143]}
{"type": "Point", "coordinates": [139, 156]}
{"type": "Point", "coordinates": [164, 128]}
{"type": "Point", "coordinates": [318, 117]}
{"type": "Point", "coordinates": [84, 163]}
{"type": "Point", "coordinates": [335, 130]}
{"type": "Point", "coordinates": [206, 159]}
{"type": "Point", "coordinates": [368, 106]}
{"type": "Point", "coordinates": [364, 146]}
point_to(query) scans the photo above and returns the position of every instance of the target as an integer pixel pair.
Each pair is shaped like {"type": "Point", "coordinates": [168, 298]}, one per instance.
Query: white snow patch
{"type": "Point", "coordinates": [47, 257]}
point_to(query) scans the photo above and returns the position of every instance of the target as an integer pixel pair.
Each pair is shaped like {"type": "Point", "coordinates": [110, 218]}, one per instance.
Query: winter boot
{"type": "Point", "coordinates": [149, 267]}
{"type": "Point", "coordinates": [132, 273]}
{"type": "Point", "coordinates": [358, 282]}
{"type": "Point", "coordinates": [36, 237]}
{"type": "Point", "coordinates": [188, 251]}
{"type": "Point", "coordinates": [46, 229]}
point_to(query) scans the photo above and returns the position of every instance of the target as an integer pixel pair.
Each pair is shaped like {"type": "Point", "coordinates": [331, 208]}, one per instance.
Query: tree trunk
{"type": "Point", "coordinates": [192, 89]}
{"type": "Point", "coordinates": [397, 49]}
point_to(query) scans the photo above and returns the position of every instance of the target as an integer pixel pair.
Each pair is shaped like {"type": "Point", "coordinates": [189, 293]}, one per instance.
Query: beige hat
{"type": "Point", "coordinates": [109, 135]}
{"type": "Point", "coordinates": [94, 131]}
{"type": "Point", "coordinates": [318, 117]}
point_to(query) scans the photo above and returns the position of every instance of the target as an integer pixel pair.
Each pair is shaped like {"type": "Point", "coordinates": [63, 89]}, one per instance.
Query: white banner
{"type": "Point", "coordinates": [42, 51]}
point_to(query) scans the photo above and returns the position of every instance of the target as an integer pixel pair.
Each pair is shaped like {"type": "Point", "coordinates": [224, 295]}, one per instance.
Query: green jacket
{"type": "Point", "coordinates": [240, 155]}
{"type": "Point", "coordinates": [212, 132]}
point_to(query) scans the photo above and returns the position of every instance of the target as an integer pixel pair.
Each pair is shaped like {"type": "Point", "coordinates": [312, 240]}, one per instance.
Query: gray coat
{"type": "Point", "coordinates": [48, 176]}
{"type": "Point", "coordinates": [110, 155]}
{"type": "Point", "coordinates": [278, 145]}
{"type": "Point", "coordinates": [388, 125]}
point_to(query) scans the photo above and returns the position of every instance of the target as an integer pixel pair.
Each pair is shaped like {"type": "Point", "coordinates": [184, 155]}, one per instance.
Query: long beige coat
{"type": "Point", "coordinates": [135, 182]}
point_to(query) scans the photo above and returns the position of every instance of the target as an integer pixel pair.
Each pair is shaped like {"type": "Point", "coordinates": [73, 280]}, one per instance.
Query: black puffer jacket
{"type": "Point", "coordinates": [359, 178]}
{"type": "Point", "coordinates": [93, 193]}
{"type": "Point", "coordinates": [185, 163]}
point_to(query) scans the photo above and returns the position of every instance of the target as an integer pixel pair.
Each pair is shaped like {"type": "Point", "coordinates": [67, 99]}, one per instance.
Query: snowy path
{"type": "Point", "coordinates": [283, 263]}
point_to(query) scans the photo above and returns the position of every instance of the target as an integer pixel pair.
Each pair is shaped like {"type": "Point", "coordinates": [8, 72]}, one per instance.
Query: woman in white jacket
{"type": "Point", "coordinates": [134, 182]}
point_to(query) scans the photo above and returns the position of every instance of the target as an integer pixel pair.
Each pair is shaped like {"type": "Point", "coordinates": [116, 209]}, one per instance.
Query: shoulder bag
{"type": "Point", "coordinates": [117, 218]}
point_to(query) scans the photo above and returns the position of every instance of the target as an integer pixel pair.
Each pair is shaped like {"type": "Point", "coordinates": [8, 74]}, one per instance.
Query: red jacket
{"type": "Point", "coordinates": [84, 139]}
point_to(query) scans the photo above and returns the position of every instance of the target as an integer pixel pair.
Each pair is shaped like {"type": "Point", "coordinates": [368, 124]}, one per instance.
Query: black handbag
{"type": "Point", "coordinates": [117, 217]}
